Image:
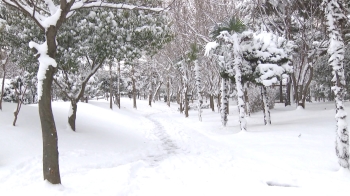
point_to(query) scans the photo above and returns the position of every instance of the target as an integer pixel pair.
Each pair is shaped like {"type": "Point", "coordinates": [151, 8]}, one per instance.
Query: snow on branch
{"type": "Point", "coordinates": [26, 8]}
{"type": "Point", "coordinates": [99, 3]}
{"type": "Point", "coordinates": [32, 10]}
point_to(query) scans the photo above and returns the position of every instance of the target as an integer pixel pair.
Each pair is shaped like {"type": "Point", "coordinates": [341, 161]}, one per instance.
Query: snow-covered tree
{"type": "Point", "coordinates": [230, 59]}
{"type": "Point", "coordinates": [49, 16]}
{"type": "Point", "coordinates": [334, 12]}
{"type": "Point", "coordinates": [267, 58]}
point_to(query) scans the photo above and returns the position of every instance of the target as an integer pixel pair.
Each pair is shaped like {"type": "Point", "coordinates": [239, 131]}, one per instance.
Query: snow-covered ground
{"type": "Point", "coordinates": [156, 151]}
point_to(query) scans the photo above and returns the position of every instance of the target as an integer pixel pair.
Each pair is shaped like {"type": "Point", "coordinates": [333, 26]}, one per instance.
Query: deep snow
{"type": "Point", "coordinates": [157, 151]}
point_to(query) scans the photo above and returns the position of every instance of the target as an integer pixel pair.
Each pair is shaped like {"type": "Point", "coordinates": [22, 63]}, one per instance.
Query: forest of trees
{"type": "Point", "coordinates": [211, 52]}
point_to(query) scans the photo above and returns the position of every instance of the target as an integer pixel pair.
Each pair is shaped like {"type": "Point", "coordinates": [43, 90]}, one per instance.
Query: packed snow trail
{"type": "Point", "coordinates": [167, 144]}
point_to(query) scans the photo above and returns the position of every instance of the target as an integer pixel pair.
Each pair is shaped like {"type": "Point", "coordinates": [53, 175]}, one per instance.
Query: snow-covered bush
{"type": "Point", "coordinates": [255, 98]}
{"type": "Point", "coordinates": [19, 88]}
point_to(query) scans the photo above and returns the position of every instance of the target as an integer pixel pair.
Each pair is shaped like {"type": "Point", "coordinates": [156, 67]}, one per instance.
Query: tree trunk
{"type": "Point", "coordinates": [168, 92]}
{"type": "Point", "coordinates": [199, 89]}
{"type": "Point", "coordinates": [335, 19]}
{"type": "Point", "coordinates": [118, 94]}
{"type": "Point", "coordinates": [287, 97]}
{"type": "Point", "coordinates": [180, 103]}
{"type": "Point", "coordinates": [110, 87]}
{"type": "Point", "coordinates": [246, 101]}
{"type": "Point", "coordinates": [239, 87]}
{"type": "Point", "coordinates": [305, 91]}
{"type": "Point", "coordinates": [211, 102]}
{"type": "Point", "coordinates": [133, 88]}
{"type": "Point", "coordinates": [15, 113]}
{"type": "Point", "coordinates": [157, 92]}
{"type": "Point", "coordinates": [296, 90]}
{"type": "Point", "coordinates": [150, 94]}
{"type": "Point", "coordinates": [266, 109]}
{"type": "Point", "coordinates": [72, 114]}
{"type": "Point", "coordinates": [224, 101]}
{"type": "Point", "coordinates": [49, 133]}
{"type": "Point", "coordinates": [186, 102]}
{"type": "Point", "coordinates": [3, 85]}
{"type": "Point", "coordinates": [281, 91]}
{"type": "Point", "coordinates": [219, 102]}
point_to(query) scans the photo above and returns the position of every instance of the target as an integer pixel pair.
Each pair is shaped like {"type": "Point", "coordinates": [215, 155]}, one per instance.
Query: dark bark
{"type": "Point", "coordinates": [281, 91]}
{"type": "Point", "coordinates": [306, 88]}
{"type": "Point", "coordinates": [49, 132]}
{"type": "Point", "coordinates": [295, 85]}
{"type": "Point", "coordinates": [73, 115]}
{"type": "Point", "coordinates": [211, 102]}
{"type": "Point", "coordinates": [287, 97]}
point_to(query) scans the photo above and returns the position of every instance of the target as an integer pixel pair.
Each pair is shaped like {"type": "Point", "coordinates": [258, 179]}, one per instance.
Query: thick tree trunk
{"type": "Point", "coordinates": [266, 109]}
{"type": "Point", "coordinates": [49, 133]}
{"type": "Point", "coordinates": [335, 18]}
{"type": "Point", "coordinates": [72, 114]}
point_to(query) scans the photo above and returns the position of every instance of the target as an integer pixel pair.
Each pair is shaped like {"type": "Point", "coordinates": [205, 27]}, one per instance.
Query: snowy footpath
{"type": "Point", "coordinates": [157, 151]}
